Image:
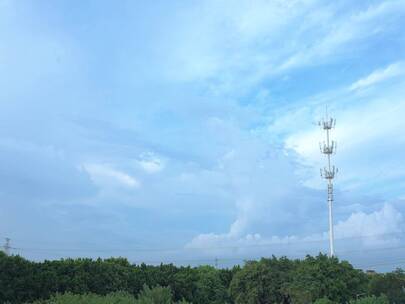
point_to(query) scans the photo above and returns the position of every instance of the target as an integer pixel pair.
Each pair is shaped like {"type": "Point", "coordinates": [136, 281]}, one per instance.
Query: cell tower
{"type": "Point", "coordinates": [328, 148]}
{"type": "Point", "coordinates": [7, 246]}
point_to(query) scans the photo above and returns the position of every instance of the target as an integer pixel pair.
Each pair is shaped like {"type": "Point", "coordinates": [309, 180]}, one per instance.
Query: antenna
{"type": "Point", "coordinates": [7, 246]}
{"type": "Point", "coordinates": [329, 172]}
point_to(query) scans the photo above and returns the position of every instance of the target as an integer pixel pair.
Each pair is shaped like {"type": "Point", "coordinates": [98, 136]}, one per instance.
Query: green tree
{"type": "Point", "coordinates": [17, 281]}
{"type": "Point", "coordinates": [324, 301]}
{"type": "Point", "coordinates": [391, 284]}
{"type": "Point", "coordinates": [262, 282]}
{"type": "Point", "coordinates": [372, 300]}
{"type": "Point", "coordinates": [70, 298]}
{"type": "Point", "coordinates": [157, 295]}
{"type": "Point", "coordinates": [209, 287]}
{"type": "Point", "coordinates": [325, 277]}
{"type": "Point", "coordinates": [184, 284]}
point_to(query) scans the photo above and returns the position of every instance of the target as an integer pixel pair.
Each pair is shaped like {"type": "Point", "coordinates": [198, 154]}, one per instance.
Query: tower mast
{"type": "Point", "coordinates": [328, 148]}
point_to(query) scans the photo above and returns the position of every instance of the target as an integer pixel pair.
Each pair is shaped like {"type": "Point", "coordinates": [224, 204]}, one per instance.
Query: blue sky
{"type": "Point", "coordinates": [186, 131]}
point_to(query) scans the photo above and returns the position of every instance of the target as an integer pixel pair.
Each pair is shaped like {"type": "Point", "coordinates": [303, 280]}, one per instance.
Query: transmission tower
{"type": "Point", "coordinates": [328, 148]}
{"type": "Point", "coordinates": [7, 246]}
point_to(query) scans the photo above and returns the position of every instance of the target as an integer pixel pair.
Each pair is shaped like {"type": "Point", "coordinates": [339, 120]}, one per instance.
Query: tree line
{"type": "Point", "coordinates": [317, 279]}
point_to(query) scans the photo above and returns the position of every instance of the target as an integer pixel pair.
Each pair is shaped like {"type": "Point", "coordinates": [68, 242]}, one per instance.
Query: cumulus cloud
{"type": "Point", "coordinates": [360, 230]}
{"type": "Point", "coordinates": [260, 180]}
{"type": "Point", "coordinates": [380, 227]}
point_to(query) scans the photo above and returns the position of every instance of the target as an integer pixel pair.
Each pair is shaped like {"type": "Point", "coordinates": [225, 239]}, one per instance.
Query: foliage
{"type": "Point", "coordinates": [157, 295]}
{"type": "Point", "coordinates": [324, 301]}
{"type": "Point", "coordinates": [270, 280]}
{"type": "Point", "coordinates": [70, 298]}
{"type": "Point", "coordinates": [320, 280]}
{"type": "Point", "coordinates": [25, 281]}
{"type": "Point", "coordinates": [324, 277]}
{"type": "Point", "coordinates": [373, 300]}
{"type": "Point", "coordinates": [17, 280]}
{"type": "Point", "coordinates": [391, 284]}
{"type": "Point", "coordinates": [262, 282]}
{"type": "Point", "coordinates": [210, 288]}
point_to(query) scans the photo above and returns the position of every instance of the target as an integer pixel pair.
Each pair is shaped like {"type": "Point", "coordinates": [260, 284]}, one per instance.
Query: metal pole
{"type": "Point", "coordinates": [330, 205]}
{"type": "Point", "coordinates": [7, 246]}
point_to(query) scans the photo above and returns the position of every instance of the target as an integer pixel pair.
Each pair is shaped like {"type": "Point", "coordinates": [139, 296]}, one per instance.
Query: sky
{"type": "Point", "coordinates": [186, 131]}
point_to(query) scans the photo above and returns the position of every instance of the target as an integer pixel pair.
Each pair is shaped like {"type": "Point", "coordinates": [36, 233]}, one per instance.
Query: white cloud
{"type": "Point", "coordinates": [105, 176]}
{"type": "Point", "coordinates": [220, 41]}
{"type": "Point", "coordinates": [226, 169]}
{"type": "Point", "coordinates": [380, 75]}
{"type": "Point", "coordinates": [369, 124]}
{"type": "Point", "coordinates": [380, 226]}
{"type": "Point", "coordinates": [360, 230]}
{"type": "Point", "coordinates": [337, 32]}
{"type": "Point", "coordinates": [233, 47]}
{"type": "Point", "coordinates": [150, 163]}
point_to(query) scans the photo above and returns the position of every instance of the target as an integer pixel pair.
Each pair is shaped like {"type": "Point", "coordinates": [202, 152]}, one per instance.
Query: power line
{"type": "Point", "coordinates": [215, 261]}
{"type": "Point", "coordinates": [231, 247]}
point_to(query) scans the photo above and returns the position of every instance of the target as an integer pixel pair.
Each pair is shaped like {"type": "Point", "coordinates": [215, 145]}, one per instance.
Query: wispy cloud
{"type": "Point", "coordinates": [198, 118]}
{"type": "Point", "coordinates": [380, 75]}
{"type": "Point", "coordinates": [237, 48]}
{"type": "Point", "coordinates": [106, 176]}
{"type": "Point", "coordinates": [360, 142]}
{"type": "Point", "coordinates": [340, 31]}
